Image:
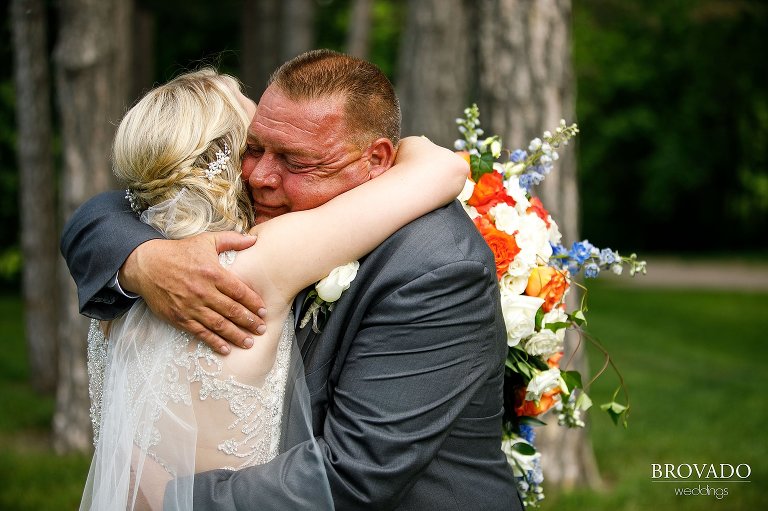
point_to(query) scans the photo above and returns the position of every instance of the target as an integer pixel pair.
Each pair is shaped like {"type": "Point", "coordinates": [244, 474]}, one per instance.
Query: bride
{"type": "Point", "coordinates": [164, 405]}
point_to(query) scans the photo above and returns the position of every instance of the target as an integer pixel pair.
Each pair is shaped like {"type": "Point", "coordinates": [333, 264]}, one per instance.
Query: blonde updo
{"type": "Point", "coordinates": [165, 142]}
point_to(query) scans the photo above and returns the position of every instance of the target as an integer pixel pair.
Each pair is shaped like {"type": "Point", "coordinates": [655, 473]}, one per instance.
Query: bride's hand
{"type": "Point", "coordinates": [183, 283]}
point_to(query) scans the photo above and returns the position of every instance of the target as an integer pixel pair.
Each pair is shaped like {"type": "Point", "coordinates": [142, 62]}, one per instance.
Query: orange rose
{"type": "Point", "coordinates": [547, 283]}
{"type": "Point", "coordinates": [525, 408]}
{"type": "Point", "coordinates": [488, 192]}
{"type": "Point", "coordinates": [554, 360]}
{"type": "Point", "coordinates": [538, 207]}
{"type": "Point", "coordinates": [503, 245]}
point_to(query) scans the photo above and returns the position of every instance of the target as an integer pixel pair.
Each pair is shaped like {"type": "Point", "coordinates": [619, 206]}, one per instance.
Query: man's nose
{"type": "Point", "coordinates": [265, 173]}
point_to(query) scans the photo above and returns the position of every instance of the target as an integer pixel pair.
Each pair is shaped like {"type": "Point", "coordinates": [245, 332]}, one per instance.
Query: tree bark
{"type": "Point", "coordinates": [526, 86]}
{"type": "Point", "coordinates": [142, 42]}
{"type": "Point", "coordinates": [297, 28]}
{"type": "Point", "coordinates": [359, 30]}
{"type": "Point", "coordinates": [260, 44]}
{"type": "Point", "coordinates": [36, 189]}
{"type": "Point", "coordinates": [92, 57]}
{"type": "Point", "coordinates": [433, 70]}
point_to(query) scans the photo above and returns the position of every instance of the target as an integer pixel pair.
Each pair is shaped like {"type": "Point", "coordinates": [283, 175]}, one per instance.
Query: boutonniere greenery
{"type": "Point", "coordinates": [326, 293]}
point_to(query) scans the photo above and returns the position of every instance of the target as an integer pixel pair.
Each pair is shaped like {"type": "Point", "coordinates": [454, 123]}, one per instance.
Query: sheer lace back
{"type": "Point", "coordinates": [165, 406]}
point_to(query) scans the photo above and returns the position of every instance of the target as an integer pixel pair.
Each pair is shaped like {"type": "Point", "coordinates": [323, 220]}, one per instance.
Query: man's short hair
{"type": "Point", "coordinates": [372, 109]}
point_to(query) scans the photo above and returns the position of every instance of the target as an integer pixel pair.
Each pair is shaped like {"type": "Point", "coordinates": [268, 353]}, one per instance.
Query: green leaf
{"type": "Point", "coordinates": [557, 326]}
{"type": "Point", "coordinates": [572, 379]}
{"type": "Point", "coordinates": [531, 421]}
{"type": "Point", "coordinates": [480, 165]}
{"type": "Point", "coordinates": [578, 317]}
{"type": "Point", "coordinates": [524, 448]}
{"type": "Point", "coordinates": [583, 402]}
{"type": "Point", "coordinates": [615, 411]}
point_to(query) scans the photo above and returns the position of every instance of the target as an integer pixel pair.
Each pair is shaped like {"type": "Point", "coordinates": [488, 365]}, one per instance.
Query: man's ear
{"type": "Point", "coordinates": [381, 156]}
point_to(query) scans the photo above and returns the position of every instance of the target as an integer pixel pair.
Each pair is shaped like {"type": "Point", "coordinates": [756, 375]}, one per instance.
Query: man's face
{"type": "Point", "coordinates": [299, 155]}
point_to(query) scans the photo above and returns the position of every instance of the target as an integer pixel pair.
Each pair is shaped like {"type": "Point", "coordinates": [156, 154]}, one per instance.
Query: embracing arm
{"type": "Point", "coordinates": [310, 243]}
{"type": "Point", "coordinates": [181, 280]}
{"type": "Point", "coordinates": [95, 241]}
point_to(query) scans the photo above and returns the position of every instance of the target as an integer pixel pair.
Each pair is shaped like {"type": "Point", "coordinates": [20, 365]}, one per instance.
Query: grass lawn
{"type": "Point", "coordinates": [693, 361]}
{"type": "Point", "coordinates": [694, 364]}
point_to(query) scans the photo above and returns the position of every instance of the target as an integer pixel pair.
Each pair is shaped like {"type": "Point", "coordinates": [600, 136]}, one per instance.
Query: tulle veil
{"type": "Point", "coordinates": [142, 403]}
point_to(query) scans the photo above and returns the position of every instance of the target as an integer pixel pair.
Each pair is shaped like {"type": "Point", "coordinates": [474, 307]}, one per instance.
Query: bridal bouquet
{"type": "Point", "coordinates": [535, 273]}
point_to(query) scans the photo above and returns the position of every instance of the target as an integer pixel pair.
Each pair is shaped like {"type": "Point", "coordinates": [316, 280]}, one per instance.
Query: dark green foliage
{"type": "Point", "coordinates": [673, 111]}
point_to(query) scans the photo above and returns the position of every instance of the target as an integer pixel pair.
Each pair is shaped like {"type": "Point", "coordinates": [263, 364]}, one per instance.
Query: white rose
{"type": "Point", "coordinates": [466, 193]}
{"type": "Point", "coordinates": [513, 284]}
{"type": "Point", "coordinates": [533, 236]}
{"type": "Point", "coordinates": [554, 232]}
{"type": "Point", "coordinates": [543, 382]}
{"type": "Point", "coordinates": [519, 316]}
{"type": "Point", "coordinates": [545, 342]}
{"type": "Point", "coordinates": [330, 288]}
{"type": "Point", "coordinates": [505, 217]}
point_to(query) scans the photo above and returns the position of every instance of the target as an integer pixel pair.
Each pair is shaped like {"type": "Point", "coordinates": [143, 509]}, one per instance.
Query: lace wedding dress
{"type": "Point", "coordinates": [165, 406]}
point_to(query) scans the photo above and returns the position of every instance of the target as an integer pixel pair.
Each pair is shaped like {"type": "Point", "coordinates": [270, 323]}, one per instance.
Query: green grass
{"type": "Point", "coordinates": [33, 477]}
{"type": "Point", "coordinates": [694, 364]}
{"type": "Point", "coordinates": [693, 360]}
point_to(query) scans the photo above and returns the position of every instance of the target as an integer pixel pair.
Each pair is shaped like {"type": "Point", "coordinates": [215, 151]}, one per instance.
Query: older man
{"type": "Point", "coordinates": [406, 376]}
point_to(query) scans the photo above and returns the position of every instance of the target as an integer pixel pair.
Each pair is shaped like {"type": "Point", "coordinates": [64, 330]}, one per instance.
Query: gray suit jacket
{"type": "Point", "coordinates": [405, 379]}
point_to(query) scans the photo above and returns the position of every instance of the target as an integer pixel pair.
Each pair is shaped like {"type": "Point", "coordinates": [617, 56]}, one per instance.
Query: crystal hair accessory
{"type": "Point", "coordinates": [215, 167]}
{"type": "Point", "coordinates": [133, 200]}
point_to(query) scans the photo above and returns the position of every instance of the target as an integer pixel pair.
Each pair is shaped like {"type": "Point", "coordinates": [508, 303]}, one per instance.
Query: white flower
{"type": "Point", "coordinates": [544, 342]}
{"type": "Point", "coordinates": [521, 463]}
{"type": "Point", "coordinates": [519, 316]}
{"type": "Point", "coordinates": [512, 284]}
{"type": "Point", "coordinates": [533, 235]}
{"type": "Point", "coordinates": [505, 217]}
{"type": "Point", "coordinates": [617, 268]}
{"type": "Point", "coordinates": [543, 382]}
{"type": "Point", "coordinates": [534, 145]}
{"type": "Point", "coordinates": [554, 232]}
{"type": "Point", "coordinates": [518, 194]}
{"type": "Point", "coordinates": [330, 288]}
{"type": "Point", "coordinates": [466, 193]}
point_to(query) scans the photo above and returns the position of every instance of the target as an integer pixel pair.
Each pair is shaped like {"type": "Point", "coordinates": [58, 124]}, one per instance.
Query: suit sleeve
{"type": "Point", "coordinates": [95, 242]}
{"type": "Point", "coordinates": [415, 365]}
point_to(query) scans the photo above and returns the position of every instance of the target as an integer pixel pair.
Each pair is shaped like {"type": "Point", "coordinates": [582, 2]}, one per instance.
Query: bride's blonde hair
{"type": "Point", "coordinates": [163, 147]}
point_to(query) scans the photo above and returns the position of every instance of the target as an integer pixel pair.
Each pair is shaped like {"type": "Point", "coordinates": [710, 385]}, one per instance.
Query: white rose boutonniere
{"type": "Point", "coordinates": [327, 291]}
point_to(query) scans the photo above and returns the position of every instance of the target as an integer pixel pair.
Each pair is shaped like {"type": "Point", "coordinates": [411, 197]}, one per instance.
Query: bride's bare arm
{"type": "Point", "coordinates": [297, 249]}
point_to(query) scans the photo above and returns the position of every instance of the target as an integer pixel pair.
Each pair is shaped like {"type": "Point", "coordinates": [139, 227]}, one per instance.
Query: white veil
{"type": "Point", "coordinates": [164, 406]}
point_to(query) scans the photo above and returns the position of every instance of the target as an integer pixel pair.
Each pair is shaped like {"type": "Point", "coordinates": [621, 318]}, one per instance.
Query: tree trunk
{"type": "Point", "coordinates": [358, 32]}
{"type": "Point", "coordinates": [142, 74]}
{"type": "Point", "coordinates": [92, 57]}
{"type": "Point", "coordinates": [526, 86]}
{"type": "Point", "coordinates": [433, 70]}
{"type": "Point", "coordinates": [36, 189]}
{"type": "Point", "coordinates": [297, 28]}
{"type": "Point", "coordinates": [260, 44]}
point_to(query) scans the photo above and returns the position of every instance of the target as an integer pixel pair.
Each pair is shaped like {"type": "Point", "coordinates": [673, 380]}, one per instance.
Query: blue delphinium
{"type": "Point", "coordinates": [530, 179]}
{"type": "Point", "coordinates": [517, 156]}
{"type": "Point", "coordinates": [607, 256]}
{"type": "Point", "coordinates": [581, 251]}
{"type": "Point", "coordinates": [591, 270]}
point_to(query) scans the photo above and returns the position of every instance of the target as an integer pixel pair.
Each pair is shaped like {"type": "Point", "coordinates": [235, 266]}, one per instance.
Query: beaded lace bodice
{"type": "Point", "coordinates": [168, 375]}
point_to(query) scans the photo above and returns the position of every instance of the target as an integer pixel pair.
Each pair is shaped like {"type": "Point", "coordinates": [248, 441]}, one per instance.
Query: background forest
{"type": "Point", "coordinates": [672, 160]}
